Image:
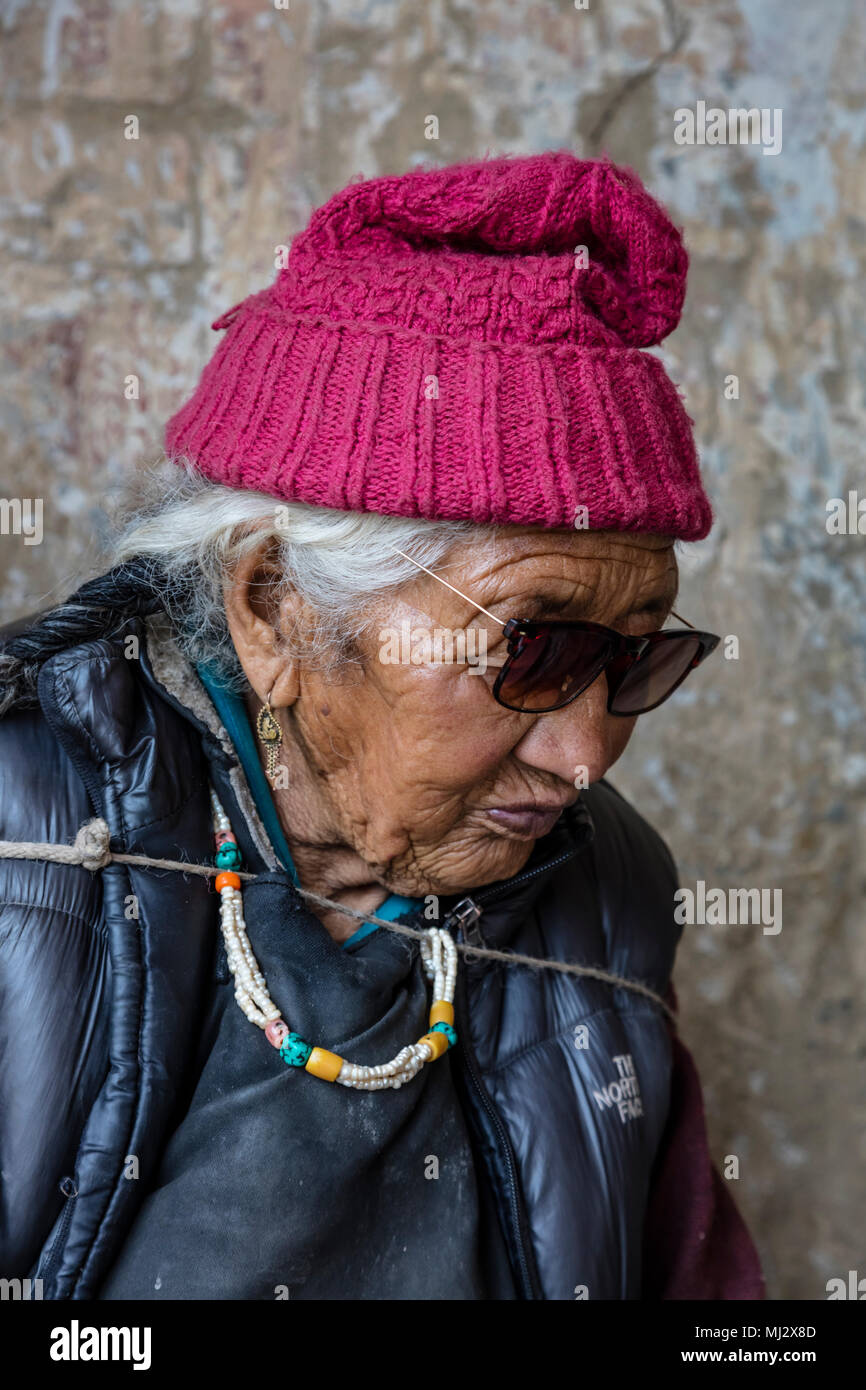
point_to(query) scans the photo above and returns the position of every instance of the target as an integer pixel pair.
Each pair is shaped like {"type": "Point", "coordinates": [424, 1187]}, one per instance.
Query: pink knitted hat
{"type": "Point", "coordinates": [464, 343]}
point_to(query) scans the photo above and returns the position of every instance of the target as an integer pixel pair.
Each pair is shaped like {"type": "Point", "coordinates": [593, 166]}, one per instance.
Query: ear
{"type": "Point", "coordinates": [255, 621]}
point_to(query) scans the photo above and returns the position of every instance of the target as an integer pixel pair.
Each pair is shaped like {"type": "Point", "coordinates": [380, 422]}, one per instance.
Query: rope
{"type": "Point", "coordinates": [90, 849]}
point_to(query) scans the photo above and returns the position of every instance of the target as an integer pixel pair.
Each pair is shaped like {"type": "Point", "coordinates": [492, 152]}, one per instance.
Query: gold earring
{"type": "Point", "coordinates": [270, 734]}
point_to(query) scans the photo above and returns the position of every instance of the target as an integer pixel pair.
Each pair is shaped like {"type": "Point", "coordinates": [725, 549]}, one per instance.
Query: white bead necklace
{"type": "Point", "coordinates": [438, 953]}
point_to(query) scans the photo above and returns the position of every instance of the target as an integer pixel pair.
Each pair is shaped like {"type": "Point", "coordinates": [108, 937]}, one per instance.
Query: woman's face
{"type": "Point", "coordinates": [416, 768]}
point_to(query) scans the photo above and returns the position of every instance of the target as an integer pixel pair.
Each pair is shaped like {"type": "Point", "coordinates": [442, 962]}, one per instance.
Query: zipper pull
{"type": "Point", "coordinates": [465, 917]}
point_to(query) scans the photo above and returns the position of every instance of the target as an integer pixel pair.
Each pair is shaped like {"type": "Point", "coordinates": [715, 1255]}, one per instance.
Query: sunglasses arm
{"type": "Point", "coordinates": [683, 620]}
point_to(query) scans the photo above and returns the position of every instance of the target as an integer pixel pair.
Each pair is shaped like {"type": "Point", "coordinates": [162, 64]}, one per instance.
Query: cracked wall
{"type": "Point", "coordinates": [118, 255]}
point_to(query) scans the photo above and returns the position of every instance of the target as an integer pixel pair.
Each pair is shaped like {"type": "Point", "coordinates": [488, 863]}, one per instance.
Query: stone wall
{"type": "Point", "coordinates": [118, 253]}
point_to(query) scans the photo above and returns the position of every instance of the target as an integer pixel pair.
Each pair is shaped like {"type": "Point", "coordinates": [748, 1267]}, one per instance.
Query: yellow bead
{"type": "Point", "coordinates": [437, 1041]}
{"type": "Point", "coordinates": [442, 1012]}
{"type": "Point", "coordinates": [323, 1064]}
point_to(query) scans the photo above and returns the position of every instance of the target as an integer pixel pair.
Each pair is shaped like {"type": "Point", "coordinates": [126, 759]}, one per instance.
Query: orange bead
{"type": "Point", "coordinates": [324, 1064]}
{"type": "Point", "coordinates": [442, 1012]}
{"type": "Point", "coordinates": [227, 880]}
{"type": "Point", "coordinates": [437, 1042]}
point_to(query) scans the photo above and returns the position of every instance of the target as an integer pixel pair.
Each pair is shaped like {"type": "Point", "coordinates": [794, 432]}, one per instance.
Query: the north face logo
{"type": "Point", "coordinates": [624, 1092]}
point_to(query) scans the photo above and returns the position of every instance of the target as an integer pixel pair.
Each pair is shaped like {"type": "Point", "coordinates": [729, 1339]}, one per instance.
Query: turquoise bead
{"type": "Point", "coordinates": [228, 856]}
{"type": "Point", "coordinates": [295, 1051]}
{"type": "Point", "coordinates": [449, 1032]}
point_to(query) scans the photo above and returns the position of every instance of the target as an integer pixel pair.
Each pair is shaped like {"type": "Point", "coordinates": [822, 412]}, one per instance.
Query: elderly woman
{"type": "Point", "coordinates": [405, 1028]}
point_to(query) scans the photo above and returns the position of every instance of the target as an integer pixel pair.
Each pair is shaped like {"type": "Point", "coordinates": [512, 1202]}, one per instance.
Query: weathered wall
{"type": "Point", "coordinates": [119, 253]}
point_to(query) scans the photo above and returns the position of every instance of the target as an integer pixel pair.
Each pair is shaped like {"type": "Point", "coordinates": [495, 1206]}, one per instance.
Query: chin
{"type": "Point", "coordinates": [493, 857]}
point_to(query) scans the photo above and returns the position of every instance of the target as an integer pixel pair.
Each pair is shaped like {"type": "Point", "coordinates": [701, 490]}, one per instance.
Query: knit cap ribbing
{"type": "Point", "coordinates": [464, 343]}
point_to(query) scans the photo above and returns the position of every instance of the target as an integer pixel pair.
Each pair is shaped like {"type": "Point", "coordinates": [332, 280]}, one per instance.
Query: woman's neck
{"type": "Point", "coordinates": [324, 864]}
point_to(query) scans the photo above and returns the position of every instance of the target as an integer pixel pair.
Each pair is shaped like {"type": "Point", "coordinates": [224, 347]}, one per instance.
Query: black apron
{"type": "Point", "coordinates": [279, 1185]}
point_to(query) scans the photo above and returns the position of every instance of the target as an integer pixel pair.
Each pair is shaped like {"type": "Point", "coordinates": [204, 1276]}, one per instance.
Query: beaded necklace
{"type": "Point", "coordinates": [438, 953]}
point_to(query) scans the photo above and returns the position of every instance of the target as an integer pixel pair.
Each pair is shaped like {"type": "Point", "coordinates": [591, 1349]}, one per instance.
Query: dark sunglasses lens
{"type": "Point", "coordinates": [552, 666]}
{"type": "Point", "coordinates": [655, 674]}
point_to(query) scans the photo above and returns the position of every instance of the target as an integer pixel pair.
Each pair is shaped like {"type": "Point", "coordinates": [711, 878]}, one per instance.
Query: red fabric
{"type": "Point", "coordinates": [696, 1243]}
{"type": "Point", "coordinates": [464, 343]}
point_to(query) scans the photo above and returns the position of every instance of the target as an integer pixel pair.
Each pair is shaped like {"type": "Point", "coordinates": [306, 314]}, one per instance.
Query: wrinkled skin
{"type": "Point", "coordinates": [392, 769]}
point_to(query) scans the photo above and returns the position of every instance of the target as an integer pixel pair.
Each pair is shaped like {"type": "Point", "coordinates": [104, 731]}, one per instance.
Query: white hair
{"type": "Point", "coordinates": [340, 562]}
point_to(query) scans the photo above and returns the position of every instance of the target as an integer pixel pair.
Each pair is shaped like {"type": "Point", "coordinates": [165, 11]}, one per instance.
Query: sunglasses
{"type": "Point", "coordinates": [549, 664]}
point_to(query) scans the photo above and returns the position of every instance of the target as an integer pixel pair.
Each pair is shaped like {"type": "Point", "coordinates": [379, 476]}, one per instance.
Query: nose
{"type": "Point", "coordinates": [580, 738]}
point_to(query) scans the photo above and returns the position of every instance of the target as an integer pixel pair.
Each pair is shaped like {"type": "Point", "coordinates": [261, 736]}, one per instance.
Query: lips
{"type": "Point", "coordinates": [526, 822]}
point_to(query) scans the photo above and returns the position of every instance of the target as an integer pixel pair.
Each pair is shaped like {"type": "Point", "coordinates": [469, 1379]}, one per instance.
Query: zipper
{"type": "Point", "coordinates": [70, 1191]}
{"type": "Point", "coordinates": [465, 914]}
{"type": "Point", "coordinates": [489, 894]}
{"type": "Point", "coordinates": [526, 1279]}
{"type": "Point", "coordinates": [464, 917]}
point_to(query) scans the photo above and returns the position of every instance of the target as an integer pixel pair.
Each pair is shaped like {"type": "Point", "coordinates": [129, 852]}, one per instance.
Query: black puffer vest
{"type": "Point", "coordinates": [564, 1080]}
